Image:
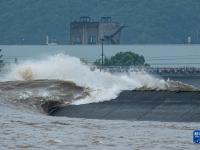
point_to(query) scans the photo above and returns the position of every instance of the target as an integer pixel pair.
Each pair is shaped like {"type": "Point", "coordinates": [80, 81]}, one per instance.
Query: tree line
{"type": "Point", "coordinates": [123, 59]}
{"type": "Point", "coordinates": [146, 21]}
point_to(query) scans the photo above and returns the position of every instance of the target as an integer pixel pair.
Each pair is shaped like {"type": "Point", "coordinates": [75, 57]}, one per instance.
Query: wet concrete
{"type": "Point", "coordinates": [170, 106]}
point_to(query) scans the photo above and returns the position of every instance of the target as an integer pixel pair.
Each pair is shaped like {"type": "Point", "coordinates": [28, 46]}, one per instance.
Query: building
{"type": "Point", "coordinates": [86, 31]}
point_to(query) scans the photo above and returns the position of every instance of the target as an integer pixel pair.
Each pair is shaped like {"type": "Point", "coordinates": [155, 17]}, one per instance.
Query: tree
{"type": "Point", "coordinates": [146, 21]}
{"type": "Point", "coordinates": [123, 59]}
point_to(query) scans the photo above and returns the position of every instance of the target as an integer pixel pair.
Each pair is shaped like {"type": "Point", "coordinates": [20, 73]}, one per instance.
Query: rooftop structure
{"type": "Point", "coordinates": [86, 31]}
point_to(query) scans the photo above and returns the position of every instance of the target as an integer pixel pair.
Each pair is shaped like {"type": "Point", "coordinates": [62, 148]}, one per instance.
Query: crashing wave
{"type": "Point", "coordinates": [104, 85]}
{"type": "Point", "coordinates": [62, 79]}
{"type": "Point", "coordinates": [49, 95]}
{"type": "Point", "coordinates": [171, 85]}
{"type": "Point", "coordinates": [42, 95]}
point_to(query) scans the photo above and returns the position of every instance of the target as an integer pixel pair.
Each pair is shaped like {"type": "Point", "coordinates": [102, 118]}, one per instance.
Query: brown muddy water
{"type": "Point", "coordinates": [25, 125]}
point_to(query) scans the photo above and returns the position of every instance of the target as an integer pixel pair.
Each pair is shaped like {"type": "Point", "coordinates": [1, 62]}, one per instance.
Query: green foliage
{"type": "Point", "coordinates": [123, 59]}
{"type": "Point", "coordinates": [146, 21]}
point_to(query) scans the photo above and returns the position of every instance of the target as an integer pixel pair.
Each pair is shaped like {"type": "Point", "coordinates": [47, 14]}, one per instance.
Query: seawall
{"type": "Point", "coordinates": [169, 106]}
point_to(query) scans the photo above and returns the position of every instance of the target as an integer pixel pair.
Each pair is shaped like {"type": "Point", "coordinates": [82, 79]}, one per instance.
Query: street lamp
{"type": "Point", "coordinates": [102, 54]}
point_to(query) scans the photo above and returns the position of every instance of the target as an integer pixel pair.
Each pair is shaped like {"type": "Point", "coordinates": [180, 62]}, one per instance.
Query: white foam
{"type": "Point", "coordinates": [103, 85]}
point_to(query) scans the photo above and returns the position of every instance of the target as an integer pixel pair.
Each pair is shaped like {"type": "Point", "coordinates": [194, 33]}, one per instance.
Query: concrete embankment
{"type": "Point", "coordinates": [141, 105]}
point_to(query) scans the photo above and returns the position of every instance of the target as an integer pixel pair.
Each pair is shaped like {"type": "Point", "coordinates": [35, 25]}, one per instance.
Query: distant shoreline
{"type": "Point", "coordinates": [100, 45]}
{"type": "Point", "coordinates": [155, 55]}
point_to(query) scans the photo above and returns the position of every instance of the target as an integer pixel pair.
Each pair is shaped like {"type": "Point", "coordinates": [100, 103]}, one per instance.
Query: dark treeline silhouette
{"type": "Point", "coordinates": [146, 21]}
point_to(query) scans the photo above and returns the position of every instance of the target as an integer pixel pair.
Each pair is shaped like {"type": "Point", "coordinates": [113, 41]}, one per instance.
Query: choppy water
{"type": "Point", "coordinates": [25, 130]}
{"type": "Point", "coordinates": [62, 80]}
{"type": "Point", "coordinates": [24, 127]}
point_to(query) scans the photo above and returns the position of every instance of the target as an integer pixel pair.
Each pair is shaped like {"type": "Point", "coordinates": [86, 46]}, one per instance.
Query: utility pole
{"type": "Point", "coordinates": [102, 54]}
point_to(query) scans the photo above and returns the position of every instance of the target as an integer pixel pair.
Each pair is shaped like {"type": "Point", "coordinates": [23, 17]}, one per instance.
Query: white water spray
{"type": "Point", "coordinates": [103, 85]}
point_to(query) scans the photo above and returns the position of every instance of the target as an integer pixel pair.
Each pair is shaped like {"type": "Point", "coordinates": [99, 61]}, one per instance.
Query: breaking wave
{"type": "Point", "coordinates": [103, 85]}
{"type": "Point", "coordinates": [42, 95]}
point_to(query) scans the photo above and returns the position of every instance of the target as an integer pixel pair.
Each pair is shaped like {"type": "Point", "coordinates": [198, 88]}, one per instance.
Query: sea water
{"type": "Point", "coordinates": [157, 55]}
{"type": "Point", "coordinates": [22, 128]}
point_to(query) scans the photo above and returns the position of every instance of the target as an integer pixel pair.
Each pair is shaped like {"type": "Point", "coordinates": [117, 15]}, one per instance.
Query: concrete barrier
{"type": "Point", "coordinates": [141, 105]}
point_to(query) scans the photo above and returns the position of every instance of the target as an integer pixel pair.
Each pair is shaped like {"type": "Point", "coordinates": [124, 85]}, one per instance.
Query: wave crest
{"type": "Point", "coordinates": [42, 95]}
{"type": "Point", "coordinates": [26, 74]}
{"type": "Point", "coordinates": [103, 85]}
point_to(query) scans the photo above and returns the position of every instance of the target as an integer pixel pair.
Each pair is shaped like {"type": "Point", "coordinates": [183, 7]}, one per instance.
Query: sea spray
{"type": "Point", "coordinates": [104, 86]}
